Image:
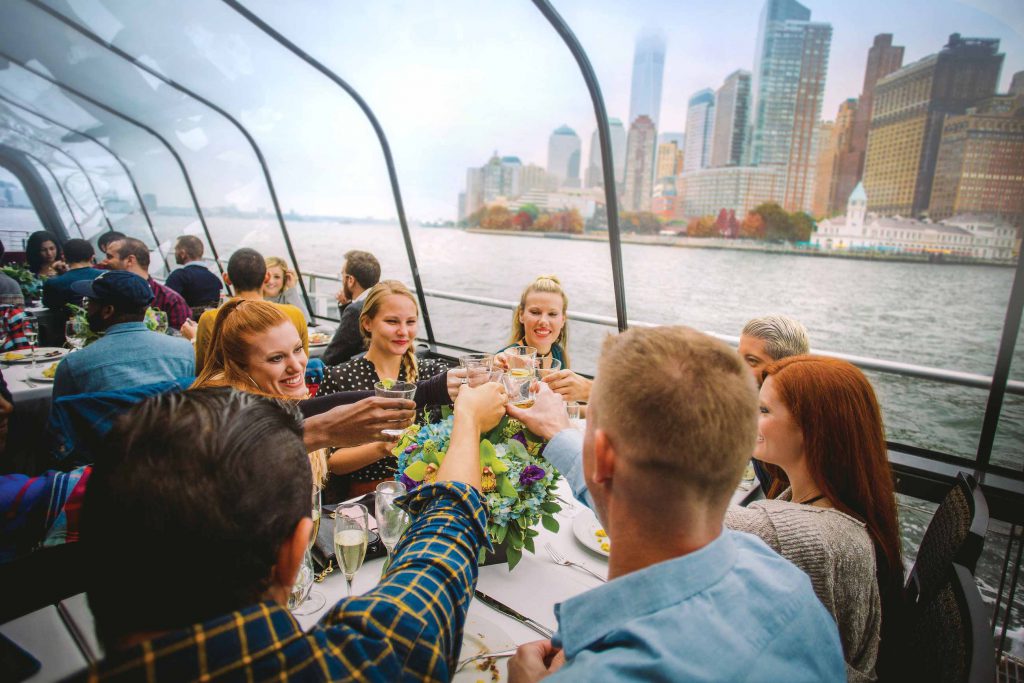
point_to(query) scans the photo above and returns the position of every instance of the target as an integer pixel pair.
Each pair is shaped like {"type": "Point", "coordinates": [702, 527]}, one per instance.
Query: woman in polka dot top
{"type": "Point", "coordinates": [388, 322]}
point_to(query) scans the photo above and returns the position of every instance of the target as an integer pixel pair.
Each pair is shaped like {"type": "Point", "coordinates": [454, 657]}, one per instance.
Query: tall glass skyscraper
{"type": "Point", "coordinates": [564, 156]}
{"type": "Point", "coordinates": [700, 121]}
{"type": "Point", "coordinates": [595, 174]}
{"type": "Point", "coordinates": [648, 68]}
{"type": "Point", "coordinates": [791, 62]}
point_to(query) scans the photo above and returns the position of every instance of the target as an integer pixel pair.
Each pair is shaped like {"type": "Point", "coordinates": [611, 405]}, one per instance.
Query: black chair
{"type": "Point", "coordinates": [955, 534]}
{"type": "Point", "coordinates": [951, 638]}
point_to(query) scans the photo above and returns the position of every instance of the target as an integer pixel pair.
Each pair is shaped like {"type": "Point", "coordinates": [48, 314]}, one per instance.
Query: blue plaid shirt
{"type": "Point", "coordinates": [408, 628]}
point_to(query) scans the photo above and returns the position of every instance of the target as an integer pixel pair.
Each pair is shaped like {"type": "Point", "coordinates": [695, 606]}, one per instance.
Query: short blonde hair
{"type": "Point", "coordinates": [545, 284]}
{"type": "Point", "coordinates": [278, 262]}
{"type": "Point", "coordinates": [680, 404]}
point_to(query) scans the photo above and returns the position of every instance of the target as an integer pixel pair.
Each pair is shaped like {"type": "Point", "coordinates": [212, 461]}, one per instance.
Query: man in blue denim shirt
{"type": "Point", "coordinates": [670, 427]}
{"type": "Point", "coordinates": [128, 354]}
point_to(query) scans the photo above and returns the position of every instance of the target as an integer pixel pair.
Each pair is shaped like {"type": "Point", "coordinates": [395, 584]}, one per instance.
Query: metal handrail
{"type": "Point", "coordinates": [966, 379]}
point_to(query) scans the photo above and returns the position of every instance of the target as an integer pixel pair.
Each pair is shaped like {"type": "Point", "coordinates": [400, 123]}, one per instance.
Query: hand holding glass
{"type": "Point", "coordinates": [351, 525]}
{"type": "Point", "coordinates": [406, 390]}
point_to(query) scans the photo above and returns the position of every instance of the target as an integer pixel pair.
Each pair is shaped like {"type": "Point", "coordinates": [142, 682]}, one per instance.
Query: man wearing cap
{"type": "Point", "coordinates": [128, 354]}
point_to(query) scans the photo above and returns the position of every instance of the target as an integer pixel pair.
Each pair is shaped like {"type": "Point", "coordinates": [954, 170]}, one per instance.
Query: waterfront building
{"type": "Point", "coordinates": [564, 156]}
{"type": "Point", "coordinates": [963, 236]}
{"type": "Point", "coordinates": [473, 199]}
{"type": "Point", "coordinates": [883, 59]}
{"type": "Point", "coordinates": [669, 161]}
{"type": "Point", "coordinates": [787, 88]}
{"type": "Point", "coordinates": [825, 167]}
{"type": "Point", "coordinates": [707, 191]}
{"type": "Point", "coordinates": [663, 202]}
{"type": "Point", "coordinates": [648, 68]}
{"type": "Point", "coordinates": [700, 119]}
{"type": "Point", "coordinates": [534, 177]}
{"type": "Point", "coordinates": [847, 160]}
{"type": "Point", "coordinates": [910, 108]}
{"type": "Point", "coordinates": [980, 164]}
{"type": "Point", "coordinates": [1017, 83]}
{"type": "Point", "coordinates": [637, 188]}
{"type": "Point", "coordinates": [583, 200]}
{"type": "Point", "coordinates": [732, 116]}
{"type": "Point", "coordinates": [594, 176]}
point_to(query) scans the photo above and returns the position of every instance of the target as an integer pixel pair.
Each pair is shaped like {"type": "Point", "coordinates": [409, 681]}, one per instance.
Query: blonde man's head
{"type": "Point", "coordinates": [679, 407]}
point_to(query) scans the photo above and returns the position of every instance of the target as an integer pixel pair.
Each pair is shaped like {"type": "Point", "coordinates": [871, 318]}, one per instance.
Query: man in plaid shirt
{"type": "Point", "coordinates": [133, 255]}
{"type": "Point", "coordinates": [193, 545]}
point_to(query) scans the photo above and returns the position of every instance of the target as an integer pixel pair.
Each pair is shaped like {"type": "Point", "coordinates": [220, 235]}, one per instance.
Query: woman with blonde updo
{"type": "Point", "coordinates": [279, 287]}
{"type": "Point", "coordinates": [255, 348]}
{"type": "Point", "coordinates": [540, 320]}
{"type": "Point", "coordinates": [388, 323]}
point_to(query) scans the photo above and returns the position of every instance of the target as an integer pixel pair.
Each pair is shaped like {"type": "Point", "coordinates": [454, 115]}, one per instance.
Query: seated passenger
{"type": "Point", "coordinates": [10, 290]}
{"type": "Point", "coordinates": [132, 255]}
{"type": "Point", "coordinates": [540, 321]}
{"type": "Point", "coordinates": [359, 273]}
{"type": "Point", "coordinates": [102, 242]}
{"type": "Point", "coordinates": [763, 341]}
{"type": "Point", "coordinates": [220, 554]}
{"type": "Point", "coordinates": [832, 511]}
{"type": "Point", "coordinates": [44, 255]}
{"type": "Point", "coordinates": [193, 281]}
{"type": "Point", "coordinates": [247, 272]}
{"type": "Point", "coordinates": [128, 354]}
{"type": "Point", "coordinates": [280, 286]}
{"type": "Point", "coordinates": [388, 320]}
{"type": "Point", "coordinates": [671, 426]}
{"type": "Point", "coordinates": [80, 257]}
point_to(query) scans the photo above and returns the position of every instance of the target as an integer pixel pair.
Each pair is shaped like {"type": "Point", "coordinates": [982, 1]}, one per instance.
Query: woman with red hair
{"type": "Point", "coordinates": [832, 510]}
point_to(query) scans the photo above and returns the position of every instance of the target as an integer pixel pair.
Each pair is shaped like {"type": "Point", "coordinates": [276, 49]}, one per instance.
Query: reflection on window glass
{"type": "Point", "coordinates": [18, 217]}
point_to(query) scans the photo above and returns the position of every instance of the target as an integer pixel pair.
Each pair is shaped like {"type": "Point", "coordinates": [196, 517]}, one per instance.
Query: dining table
{"type": "Point", "coordinates": [63, 636]}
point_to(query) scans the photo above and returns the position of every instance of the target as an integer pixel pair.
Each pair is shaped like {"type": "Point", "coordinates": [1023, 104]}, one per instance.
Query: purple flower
{"type": "Point", "coordinates": [521, 438]}
{"type": "Point", "coordinates": [410, 484]}
{"type": "Point", "coordinates": [531, 474]}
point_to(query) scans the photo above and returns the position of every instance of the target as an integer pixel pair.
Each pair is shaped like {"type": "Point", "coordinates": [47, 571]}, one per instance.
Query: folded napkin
{"type": "Point", "coordinates": [323, 547]}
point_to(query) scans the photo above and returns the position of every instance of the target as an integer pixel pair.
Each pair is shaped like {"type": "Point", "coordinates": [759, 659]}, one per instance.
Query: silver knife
{"type": "Point", "coordinates": [509, 612]}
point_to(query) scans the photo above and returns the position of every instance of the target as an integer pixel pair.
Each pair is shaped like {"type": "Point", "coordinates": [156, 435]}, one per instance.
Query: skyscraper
{"type": "Point", "coordinates": [732, 116]}
{"type": "Point", "coordinates": [787, 88]}
{"type": "Point", "coordinates": [883, 59]}
{"type": "Point", "coordinates": [648, 67]}
{"type": "Point", "coordinates": [910, 108]}
{"type": "Point", "coordinates": [700, 120]}
{"type": "Point", "coordinates": [668, 161]}
{"type": "Point", "coordinates": [846, 166]}
{"type": "Point", "coordinates": [825, 167]}
{"type": "Point", "coordinates": [638, 188]}
{"type": "Point", "coordinates": [595, 175]}
{"type": "Point", "coordinates": [564, 156]}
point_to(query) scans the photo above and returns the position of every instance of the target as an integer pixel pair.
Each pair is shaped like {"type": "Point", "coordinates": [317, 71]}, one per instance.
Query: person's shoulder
{"type": "Point", "coordinates": [294, 313]}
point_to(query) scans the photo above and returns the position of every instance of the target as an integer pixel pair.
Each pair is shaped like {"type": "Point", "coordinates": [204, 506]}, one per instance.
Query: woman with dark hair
{"type": "Point", "coordinates": [44, 255]}
{"type": "Point", "coordinates": [832, 511]}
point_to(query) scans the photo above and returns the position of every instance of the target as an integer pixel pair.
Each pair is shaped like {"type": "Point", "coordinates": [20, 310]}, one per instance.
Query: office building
{"type": "Point", "coordinates": [595, 174]}
{"type": "Point", "coordinates": [732, 116]}
{"type": "Point", "coordinates": [564, 156]}
{"type": "Point", "coordinates": [700, 120]}
{"type": "Point", "coordinates": [707, 191]}
{"type": "Point", "coordinates": [638, 185]}
{"type": "Point", "coordinates": [648, 68]}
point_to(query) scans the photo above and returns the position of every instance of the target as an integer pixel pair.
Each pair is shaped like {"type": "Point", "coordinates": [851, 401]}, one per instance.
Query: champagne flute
{"type": "Point", "coordinates": [389, 389]}
{"type": "Point", "coordinates": [351, 535]}
{"type": "Point", "coordinates": [31, 329]}
{"type": "Point", "coordinates": [303, 599]}
{"type": "Point", "coordinates": [391, 519]}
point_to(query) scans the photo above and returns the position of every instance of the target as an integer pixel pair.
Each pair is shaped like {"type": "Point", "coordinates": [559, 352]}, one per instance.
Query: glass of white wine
{"type": "Point", "coordinates": [391, 519]}
{"type": "Point", "coordinates": [31, 330]}
{"type": "Point", "coordinates": [351, 534]}
{"type": "Point", "coordinates": [303, 599]}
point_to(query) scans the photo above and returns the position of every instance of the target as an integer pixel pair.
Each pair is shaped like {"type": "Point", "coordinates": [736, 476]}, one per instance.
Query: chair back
{"type": "Point", "coordinates": [955, 534]}
{"type": "Point", "coordinates": [951, 637]}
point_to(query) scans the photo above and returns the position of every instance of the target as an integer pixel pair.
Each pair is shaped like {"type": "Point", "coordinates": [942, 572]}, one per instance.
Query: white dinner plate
{"type": "Point", "coordinates": [585, 526]}
{"type": "Point", "coordinates": [480, 636]}
{"type": "Point", "coordinates": [38, 376]}
{"type": "Point", "coordinates": [44, 354]}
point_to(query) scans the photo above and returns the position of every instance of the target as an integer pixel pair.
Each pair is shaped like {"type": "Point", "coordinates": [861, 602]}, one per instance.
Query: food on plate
{"type": "Point", "coordinates": [51, 370]}
{"type": "Point", "coordinates": [602, 539]}
{"type": "Point", "coordinates": [14, 355]}
{"type": "Point", "coordinates": [319, 338]}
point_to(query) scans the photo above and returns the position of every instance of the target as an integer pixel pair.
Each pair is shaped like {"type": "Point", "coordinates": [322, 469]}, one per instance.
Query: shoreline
{"type": "Point", "coordinates": [751, 245]}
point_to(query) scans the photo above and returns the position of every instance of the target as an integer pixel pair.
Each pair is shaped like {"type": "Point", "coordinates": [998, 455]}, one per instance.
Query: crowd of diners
{"type": "Point", "coordinates": [208, 488]}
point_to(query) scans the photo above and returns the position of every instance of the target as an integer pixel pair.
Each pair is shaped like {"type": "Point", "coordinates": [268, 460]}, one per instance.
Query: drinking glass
{"type": "Point", "coordinates": [351, 534]}
{"type": "Point", "coordinates": [75, 332]}
{"type": "Point", "coordinates": [391, 519]}
{"type": "Point", "coordinates": [478, 367]}
{"type": "Point", "coordinates": [406, 390]}
{"type": "Point", "coordinates": [161, 321]}
{"type": "Point", "coordinates": [31, 330]}
{"type": "Point", "coordinates": [519, 386]}
{"type": "Point", "coordinates": [572, 409]}
{"type": "Point", "coordinates": [303, 600]}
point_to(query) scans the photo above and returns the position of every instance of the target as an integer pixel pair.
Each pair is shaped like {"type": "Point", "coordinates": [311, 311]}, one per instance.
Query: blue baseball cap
{"type": "Point", "coordinates": [117, 287]}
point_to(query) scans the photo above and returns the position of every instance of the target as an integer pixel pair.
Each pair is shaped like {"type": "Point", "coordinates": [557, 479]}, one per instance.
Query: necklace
{"type": "Point", "coordinates": [812, 501]}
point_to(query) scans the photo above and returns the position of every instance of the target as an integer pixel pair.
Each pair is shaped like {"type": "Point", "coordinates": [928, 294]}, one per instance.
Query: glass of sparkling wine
{"type": "Point", "coordinates": [303, 600]}
{"type": "Point", "coordinates": [31, 330]}
{"type": "Point", "coordinates": [351, 525]}
{"type": "Point", "coordinates": [391, 519]}
{"type": "Point", "coordinates": [391, 389]}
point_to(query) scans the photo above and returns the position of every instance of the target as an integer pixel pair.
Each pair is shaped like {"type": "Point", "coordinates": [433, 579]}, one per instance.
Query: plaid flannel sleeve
{"type": "Point", "coordinates": [419, 607]}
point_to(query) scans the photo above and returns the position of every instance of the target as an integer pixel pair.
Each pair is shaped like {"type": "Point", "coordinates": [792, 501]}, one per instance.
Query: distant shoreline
{"type": "Point", "coordinates": [752, 245]}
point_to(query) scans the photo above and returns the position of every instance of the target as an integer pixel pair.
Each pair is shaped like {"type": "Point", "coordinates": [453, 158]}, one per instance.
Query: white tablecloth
{"type": "Point", "coordinates": [22, 390]}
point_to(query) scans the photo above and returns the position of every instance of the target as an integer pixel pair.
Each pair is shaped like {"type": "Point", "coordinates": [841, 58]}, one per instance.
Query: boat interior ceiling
{"type": "Point", "coordinates": [175, 116]}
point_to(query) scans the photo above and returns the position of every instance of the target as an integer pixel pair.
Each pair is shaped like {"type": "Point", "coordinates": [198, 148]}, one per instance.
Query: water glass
{"type": "Point", "coordinates": [303, 600]}
{"type": "Point", "coordinates": [519, 384]}
{"type": "Point", "coordinates": [406, 390]}
{"type": "Point", "coordinates": [478, 367]}
{"type": "Point", "coordinates": [351, 535]}
{"type": "Point", "coordinates": [391, 519]}
{"type": "Point", "coordinates": [543, 372]}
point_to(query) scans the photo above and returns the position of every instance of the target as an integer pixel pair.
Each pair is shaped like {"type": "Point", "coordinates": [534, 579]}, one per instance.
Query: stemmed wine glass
{"type": "Point", "coordinates": [303, 599]}
{"type": "Point", "coordinates": [391, 519]}
{"type": "Point", "coordinates": [75, 331]}
{"type": "Point", "coordinates": [351, 534]}
{"type": "Point", "coordinates": [31, 329]}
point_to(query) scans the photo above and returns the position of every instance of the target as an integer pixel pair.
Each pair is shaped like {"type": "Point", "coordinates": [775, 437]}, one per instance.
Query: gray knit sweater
{"type": "Point", "coordinates": [836, 552]}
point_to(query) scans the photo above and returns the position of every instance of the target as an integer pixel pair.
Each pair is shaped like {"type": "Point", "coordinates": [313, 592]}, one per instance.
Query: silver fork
{"type": "Point", "coordinates": [484, 655]}
{"type": "Point", "coordinates": [561, 559]}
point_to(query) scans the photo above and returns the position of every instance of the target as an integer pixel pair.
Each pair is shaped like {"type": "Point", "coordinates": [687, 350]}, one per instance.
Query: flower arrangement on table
{"type": "Point", "coordinates": [518, 485]}
{"type": "Point", "coordinates": [154, 319]}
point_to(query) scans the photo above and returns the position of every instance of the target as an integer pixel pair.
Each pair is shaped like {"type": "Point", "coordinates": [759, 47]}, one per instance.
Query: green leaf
{"type": "Point", "coordinates": [550, 523]}
{"type": "Point", "coordinates": [430, 456]}
{"type": "Point", "coordinates": [515, 541]}
{"type": "Point", "coordinates": [495, 434]}
{"type": "Point", "coordinates": [517, 449]}
{"type": "Point", "coordinates": [528, 544]}
{"type": "Point", "coordinates": [500, 534]}
{"type": "Point", "coordinates": [506, 488]}
{"type": "Point", "coordinates": [514, 556]}
{"type": "Point", "coordinates": [446, 412]}
{"type": "Point", "coordinates": [416, 471]}
{"type": "Point", "coordinates": [550, 507]}
{"type": "Point", "coordinates": [481, 556]}
{"type": "Point", "coordinates": [532, 532]}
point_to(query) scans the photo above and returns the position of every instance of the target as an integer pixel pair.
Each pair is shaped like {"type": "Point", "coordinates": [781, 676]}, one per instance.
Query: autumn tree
{"type": "Point", "coordinates": [702, 227]}
{"type": "Point", "coordinates": [752, 227]}
{"type": "Point", "coordinates": [496, 218]}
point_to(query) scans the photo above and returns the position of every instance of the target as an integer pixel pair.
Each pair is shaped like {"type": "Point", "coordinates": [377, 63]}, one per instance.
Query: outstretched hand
{"type": "Point", "coordinates": [569, 385]}
{"type": "Point", "coordinates": [534, 661]}
{"type": "Point", "coordinates": [483, 405]}
{"type": "Point", "coordinates": [546, 417]}
{"type": "Point", "coordinates": [358, 423]}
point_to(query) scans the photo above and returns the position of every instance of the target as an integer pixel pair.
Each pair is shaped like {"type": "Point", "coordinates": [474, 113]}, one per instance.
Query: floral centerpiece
{"type": "Point", "coordinates": [155, 319]}
{"type": "Point", "coordinates": [518, 485]}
